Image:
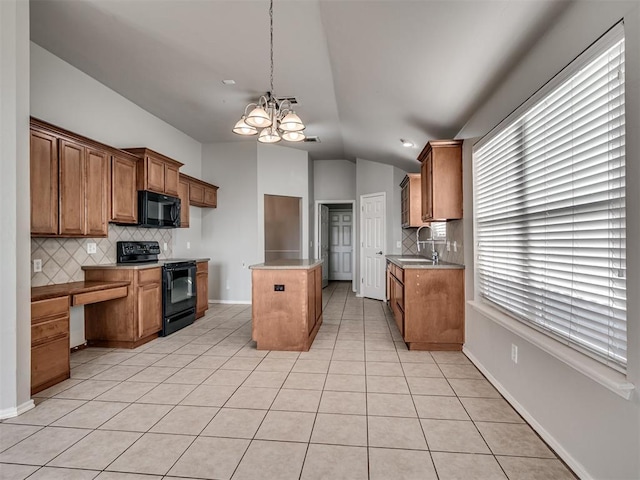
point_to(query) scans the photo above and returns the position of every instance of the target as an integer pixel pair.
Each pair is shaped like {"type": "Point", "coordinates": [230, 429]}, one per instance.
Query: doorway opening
{"type": "Point", "coordinates": [335, 240]}
{"type": "Point", "coordinates": [282, 227]}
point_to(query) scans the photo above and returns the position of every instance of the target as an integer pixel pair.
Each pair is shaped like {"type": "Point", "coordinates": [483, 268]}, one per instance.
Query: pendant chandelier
{"type": "Point", "coordinates": [275, 118]}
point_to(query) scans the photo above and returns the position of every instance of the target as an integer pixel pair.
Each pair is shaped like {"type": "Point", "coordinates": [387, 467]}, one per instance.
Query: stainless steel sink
{"type": "Point", "coordinates": [413, 259]}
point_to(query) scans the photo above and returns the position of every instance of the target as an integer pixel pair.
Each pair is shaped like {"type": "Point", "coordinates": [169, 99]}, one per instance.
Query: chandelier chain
{"type": "Point", "coordinates": [271, 39]}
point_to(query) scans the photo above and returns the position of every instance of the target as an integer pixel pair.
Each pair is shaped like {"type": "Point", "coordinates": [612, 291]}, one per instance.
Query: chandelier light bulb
{"type": "Point", "coordinates": [241, 128]}
{"type": "Point", "coordinates": [291, 123]}
{"type": "Point", "coordinates": [293, 136]}
{"type": "Point", "coordinates": [258, 118]}
{"type": "Point", "coordinates": [269, 135]}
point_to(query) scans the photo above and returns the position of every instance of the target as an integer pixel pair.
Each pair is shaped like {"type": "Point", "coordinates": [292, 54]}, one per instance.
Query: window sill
{"type": "Point", "coordinates": [605, 376]}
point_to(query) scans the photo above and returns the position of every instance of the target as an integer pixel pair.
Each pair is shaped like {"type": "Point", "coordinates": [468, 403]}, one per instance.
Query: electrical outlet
{"type": "Point", "coordinates": [166, 246]}
{"type": "Point", "coordinates": [448, 246]}
{"type": "Point", "coordinates": [188, 245]}
{"type": "Point", "coordinates": [92, 247]}
{"type": "Point", "coordinates": [455, 246]}
{"type": "Point", "coordinates": [37, 265]}
{"type": "Point", "coordinates": [514, 353]}
{"type": "Point", "coordinates": [228, 286]}
{"type": "Point", "coordinates": [398, 244]}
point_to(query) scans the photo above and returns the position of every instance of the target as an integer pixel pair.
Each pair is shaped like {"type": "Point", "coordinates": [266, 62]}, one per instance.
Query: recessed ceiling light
{"type": "Point", "coordinates": [406, 143]}
{"type": "Point", "coordinates": [229, 82]}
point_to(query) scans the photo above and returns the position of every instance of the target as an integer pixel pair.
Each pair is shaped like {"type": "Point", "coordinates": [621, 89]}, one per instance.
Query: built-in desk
{"type": "Point", "coordinates": [50, 325]}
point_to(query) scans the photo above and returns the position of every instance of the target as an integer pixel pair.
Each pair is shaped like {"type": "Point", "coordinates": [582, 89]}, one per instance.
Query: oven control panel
{"type": "Point", "coordinates": [137, 252]}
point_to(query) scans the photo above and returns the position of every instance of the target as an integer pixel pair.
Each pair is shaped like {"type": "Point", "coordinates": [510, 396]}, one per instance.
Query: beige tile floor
{"type": "Point", "coordinates": [205, 404]}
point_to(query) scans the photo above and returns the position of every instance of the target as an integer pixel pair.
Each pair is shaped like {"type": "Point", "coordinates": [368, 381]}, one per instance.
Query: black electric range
{"type": "Point", "coordinates": [179, 293]}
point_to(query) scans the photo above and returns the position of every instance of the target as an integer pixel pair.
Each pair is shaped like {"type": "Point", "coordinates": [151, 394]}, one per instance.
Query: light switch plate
{"type": "Point", "coordinates": [92, 247]}
{"type": "Point", "coordinates": [398, 244]}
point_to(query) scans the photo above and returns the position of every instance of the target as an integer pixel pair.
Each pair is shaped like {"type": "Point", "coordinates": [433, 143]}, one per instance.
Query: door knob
{"type": "Point", "coordinates": [379, 253]}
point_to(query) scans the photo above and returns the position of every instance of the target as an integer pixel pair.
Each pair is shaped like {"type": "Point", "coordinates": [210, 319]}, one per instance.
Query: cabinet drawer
{"type": "Point", "coordinates": [149, 276]}
{"type": "Point", "coordinates": [44, 309]}
{"type": "Point", "coordinates": [99, 296]}
{"type": "Point", "coordinates": [399, 273]}
{"type": "Point", "coordinates": [43, 331]}
{"type": "Point", "coordinates": [49, 364]}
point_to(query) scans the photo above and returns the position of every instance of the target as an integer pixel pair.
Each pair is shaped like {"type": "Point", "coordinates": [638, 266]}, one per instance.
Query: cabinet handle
{"type": "Point", "coordinates": [379, 253]}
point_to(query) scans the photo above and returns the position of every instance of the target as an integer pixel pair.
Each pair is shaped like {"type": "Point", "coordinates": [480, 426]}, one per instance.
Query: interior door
{"type": "Point", "coordinates": [324, 243]}
{"type": "Point", "coordinates": [341, 245]}
{"type": "Point", "coordinates": [372, 234]}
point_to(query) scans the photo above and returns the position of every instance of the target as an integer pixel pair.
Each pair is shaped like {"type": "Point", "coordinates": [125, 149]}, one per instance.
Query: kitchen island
{"type": "Point", "coordinates": [287, 303]}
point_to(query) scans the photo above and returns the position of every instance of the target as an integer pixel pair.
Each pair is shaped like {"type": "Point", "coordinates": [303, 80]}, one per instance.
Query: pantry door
{"type": "Point", "coordinates": [372, 235]}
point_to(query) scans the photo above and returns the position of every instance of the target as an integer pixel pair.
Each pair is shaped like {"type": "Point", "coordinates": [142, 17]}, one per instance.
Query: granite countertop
{"type": "Point", "coordinates": [142, 266]}
{"type": "Point", "coordinates": [417, 261]}
{"type": "Point", "coordinates": [287, 264]}
{"type": "Point", "coordinates": [72, 288]}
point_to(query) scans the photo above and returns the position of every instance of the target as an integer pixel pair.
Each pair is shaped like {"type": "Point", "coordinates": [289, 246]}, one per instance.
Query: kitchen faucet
{"type": "Point", "coordinates": [418, 241]}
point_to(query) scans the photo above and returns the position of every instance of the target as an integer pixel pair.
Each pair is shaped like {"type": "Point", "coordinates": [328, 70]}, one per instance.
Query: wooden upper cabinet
{"type": "Point", "coordinates": [96, 192]}
{"type": "Point", "coordinates": [72, 188]}
{"type": "Point", "coordinates": [441, 178]}
{"type": "Point", "coordinates": [84, 190]}
{"type": "Point", "coordinates": [69, 183]}
{"type": "Point", "coordinates": [156, 172]}
{"type": "Point", "coordinates": [124, 189]}
{"type": "Point", "coordinates": [202, 194]}
{"type": "Point", "coordinates": [183, 195]}
{"type": "Point", "coordinates": [171, 179]}
{"type": "Point", "coordinates": [44, 183]}
{"type": "Point", "coordinates": [411, 201]}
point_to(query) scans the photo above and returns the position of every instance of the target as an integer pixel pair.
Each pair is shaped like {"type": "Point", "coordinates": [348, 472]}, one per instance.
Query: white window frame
{"type": "Point", "coordinates": [595, 369]}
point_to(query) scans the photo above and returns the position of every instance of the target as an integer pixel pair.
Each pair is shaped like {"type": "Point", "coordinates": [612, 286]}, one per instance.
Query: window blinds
{"type": "Point", "coordinates": [550, 207]}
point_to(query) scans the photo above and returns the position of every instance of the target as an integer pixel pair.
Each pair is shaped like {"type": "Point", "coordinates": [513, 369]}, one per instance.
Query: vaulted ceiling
{"type": "Point", "coordinates": [365, 73]}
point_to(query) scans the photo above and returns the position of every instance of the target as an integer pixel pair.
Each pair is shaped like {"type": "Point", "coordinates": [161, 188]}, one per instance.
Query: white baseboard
{"type": "Point", "coordinates": [575, 465]}
{"type": "Point", "coordinates": [232, 302]}
{"type": "Point", "coordinates": [15, 411]}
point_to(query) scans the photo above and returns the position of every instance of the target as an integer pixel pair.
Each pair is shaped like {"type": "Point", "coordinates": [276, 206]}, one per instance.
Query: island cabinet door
{"type": "Point", "coordinates": [311, 300]}
{"type": "Point", "coordinates": [318, 292]}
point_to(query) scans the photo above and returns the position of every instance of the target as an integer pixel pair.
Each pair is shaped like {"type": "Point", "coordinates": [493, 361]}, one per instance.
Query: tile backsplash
{"type": "Point", "coordinates": [62, 258]}
{"type": "Point", "coordinates": [454, 233]}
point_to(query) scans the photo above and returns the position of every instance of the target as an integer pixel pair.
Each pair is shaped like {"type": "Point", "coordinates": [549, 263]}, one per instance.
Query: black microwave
{"type": "Point", "coordinates": [156, 210]}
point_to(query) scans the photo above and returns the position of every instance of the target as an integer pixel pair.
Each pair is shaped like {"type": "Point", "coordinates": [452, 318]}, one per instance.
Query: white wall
{"type": "Point", "coordinates": [230, 232]}
{"type": "Point", "coordinates": [596, 431]}
{"type": "Point", "coordinates": [334, 180]}
{"type": "Point", "coordinates": [15, 327]}
{"type": "Point", "coordinates": [64, 96]}
{"type": "Point", "coordinates": [283, 171]}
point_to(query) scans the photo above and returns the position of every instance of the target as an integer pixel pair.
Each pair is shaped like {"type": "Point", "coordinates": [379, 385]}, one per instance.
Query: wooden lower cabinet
{"type": "Point", "coordinates": [129, 321]}
{"type": "Point", "coordinates": [287, 319]}
{"type": "Point", "coordinates": [428, 306]}
{"type": "Point", "coordinates": [202, 288]}
{"type": "Point", "coordinates": [49, 342]}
